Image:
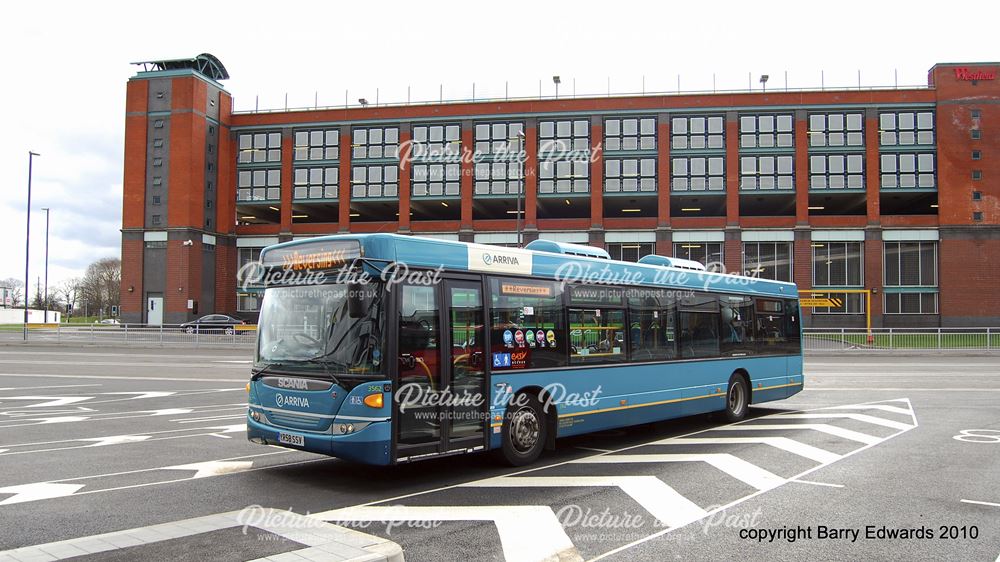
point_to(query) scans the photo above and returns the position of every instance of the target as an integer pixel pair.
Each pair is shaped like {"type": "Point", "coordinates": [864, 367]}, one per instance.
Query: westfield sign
{"type": "Point", "coordinates": [962, 73]}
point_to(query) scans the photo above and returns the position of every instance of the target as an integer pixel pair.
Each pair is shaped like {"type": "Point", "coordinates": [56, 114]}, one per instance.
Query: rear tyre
{"type": "Point", "coordinates": [524, 431]}
{"type": "Point", "coordinates": [737, 398]}
{"type": "Point", "coordinates": [230, 331]}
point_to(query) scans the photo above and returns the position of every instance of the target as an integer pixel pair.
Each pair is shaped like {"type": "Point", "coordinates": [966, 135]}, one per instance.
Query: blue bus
{"type": "Point", "coordinates": [384, 349]}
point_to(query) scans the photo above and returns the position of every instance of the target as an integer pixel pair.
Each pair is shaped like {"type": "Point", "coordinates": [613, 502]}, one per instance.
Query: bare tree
{"type": "Point", "coordinates": [101, 285]}
{"type": "Point", "coordinates": [16, 287]}
{"type": "Point", "coordinates": [68, 292]}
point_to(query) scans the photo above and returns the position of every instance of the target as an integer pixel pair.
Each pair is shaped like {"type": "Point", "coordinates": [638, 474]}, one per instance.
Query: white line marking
{"type": "Point", "coordinates": [593, 449]}
{"type": "Point", "coordinates": [526, 532]}
{"type": "Point", "coordinates": [982, 503]}
{"type": "Point", "coordinates": [821, 427]}
{"type": "Point", "coordinates": [37, 491]}
{"type": "Point", "coordinates": [654, 495]}
{"type": "Point", "coordinates": [48, 386]}
{"type": "Point", "coordinates": [213, 468]}
{"type": "Point", "coordinates": [859, 417]}
{"type": "Point", "coordinates": [817, 483]}
{"type": "Point", "coordinates": [734, 466]}
{"type": "Point", "coordinates": [115, 440]}
{"type": "Point", "coordinates": [48, 401]}
{"type": "Point", "coordinates": [138, 395]}
{"type": "Point", "coordinates": [783, 443]}
{"type": "Point", "coordinates": [883, 407]}
{"type": "Point", "coordinates": [813, 388]}
{"type": "Point", "coordinates": [219, 436]}
{"type": "Point", "coordinates": [212, 418]}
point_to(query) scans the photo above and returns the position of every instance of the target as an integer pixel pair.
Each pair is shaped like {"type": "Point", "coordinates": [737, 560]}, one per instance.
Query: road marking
{"type": "Point", "coordinates": [321, 540]}
{"type": "Point", "coordinates": [821, 427]}
{"type": "Point", "coordinates": [123, 378]}
{"type": "Point", "coordinates": [783, 443]}
{"type": "Point", "coordinates": [817, 483]}
{"type": "Point", "coordinates": [882, 407]}
{"type": "Point", "coordinates": [241, 361]}
{"type": "Point", "coordinates": [655, 496]}
{"type": "Point", "coordinates": [594, 449]}
{"type": "Point", "coordinates": [734, 466]}
{"type": "Point", "coordinates": [115, 440]}
{"type": "Point", "coordinates": [138, 395]}
{"type": "Point", "coordinates": [813, 388]}
{"type": "Point", "coordinates": [37, 491]}
{"type": "Point", "coordinates": [526, 532]}
{"type": "Point", "coordinates": [859, 417]}
{"type": "Point", "coordinates": [48, 401]}
{"type": "Point", "coordinates": [982, 503]}
{"type": "Point", "coordinates": [213, 468]}
{"type": "Point", "coordinates": [48, 386]}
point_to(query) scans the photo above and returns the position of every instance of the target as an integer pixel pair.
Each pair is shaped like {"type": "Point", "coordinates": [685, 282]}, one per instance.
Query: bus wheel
{"type": "Point", "coordinates": [524, 431]}
{"type": "Point", "coordinates": [737, 398]}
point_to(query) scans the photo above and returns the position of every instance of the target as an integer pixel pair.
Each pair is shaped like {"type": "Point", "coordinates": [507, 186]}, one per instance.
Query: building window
{"type": "Point", "coordinates": [375, 181]}
{"type": "Point", "coordinates": [977, 155]}
{"type": "Point", "coordinates": [498, 178]}
{"type": "Point", "coordinates": [836, 129]}
{"type": "Point", "coordinates": [499, 139]}
{"type": "Point", "coordinates": [375, 142]}
{"type": "Point", "coordinates": [247, 301]}
{"type": "Point", "coordinates": [211, 148]}
{"type": "Point", "coordinates": [977, 216]}
{"type": "Point", "coordinates": [767, 131]}
{"type": "Point", "coordinates": [908, 171]}
{"type": "Point", "coordinates": [630, 251]}
{"type": "Point", "coordinates": [556, 138]}
{"type": "Point", "coordinates": [155, 220]}
{"type": "Point", "coordinates": [208, 204]}
{"type": "Point", "coordinates": [975, 113]}
{"type": "Point", "coordinates": [698, 173]}
{"type": "Point", "coordinates": [768, 260]}
{"type": "Point", "coordinates": [767, 172]}
{"type": "Point", "coordinates": [156, 200]}
{"type": "Point", "coordinates": [436, 140]}
{"type": "Point", "coordinates": [633, 133]}
{"type": "Point", "coordinates": [698, 132]}
{"type": "Point", "coordinates": [837, 171]}
{"type": "Point", "coordinates": [317, 144]}
{"type": "Point", "coordinates": [157, 143]}
{"type": "Point", "coordinates": [708, 254]}
{"type": "Point", "coordinates": [209, 186]}
{"type": "Point", "coordinates": [977, 175]}
{"type": "Point", "coordinates": [155, 244]}
{"type": "Point", "coordinates": [437, 180]}
{"type": "Point", "coordinates": [837, 264]}
{"type": "Point", "coordinates": [157, 181]}
{"type": "Point", "coordinates": [910, 276]}
{"type": "Point", "coordinates": [259, 147]}
{"type": "Point", "coordinates": [625, 175]}
{"type": "Point", "coordinates": [259, 185]}
{"type": "Point", "coordinates": [157, 162]}
{"type": "Point", "coordinates": [316, 183]}
{"type": "Point", "coordinates": [158, 124]}
{"type": "Point", "coordinates": [906, 128]}
{"type": "Point", "coordinates": [977, 195]}
{"type": "Point", "coordinates": [563, 176]}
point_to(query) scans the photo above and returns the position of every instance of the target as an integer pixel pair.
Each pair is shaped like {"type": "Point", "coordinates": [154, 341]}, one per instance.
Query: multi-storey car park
{"type": "Point", "coordinates": [891, 190]}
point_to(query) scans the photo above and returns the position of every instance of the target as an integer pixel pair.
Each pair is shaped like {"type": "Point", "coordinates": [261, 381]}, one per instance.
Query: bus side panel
{"type": "Point", "coordinates": [602, 398]}
{"type": "Point", "coordinates": [796, 375]}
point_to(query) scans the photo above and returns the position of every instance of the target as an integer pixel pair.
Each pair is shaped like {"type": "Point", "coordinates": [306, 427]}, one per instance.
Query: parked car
{"type": "Point", "coordinates": [107, 321]}
{"type": "Point", "coordinates": [213, 323]}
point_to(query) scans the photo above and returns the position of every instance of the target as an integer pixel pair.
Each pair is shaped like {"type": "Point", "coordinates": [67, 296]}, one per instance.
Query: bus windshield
{"type": "Point", "coordinates": [310, 329]}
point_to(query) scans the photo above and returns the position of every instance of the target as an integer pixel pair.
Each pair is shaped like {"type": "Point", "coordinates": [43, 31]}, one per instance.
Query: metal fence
{"type": "Point", "coordinates": [913, 339]}
{"type": "Point", "coordinates": [133, 334]}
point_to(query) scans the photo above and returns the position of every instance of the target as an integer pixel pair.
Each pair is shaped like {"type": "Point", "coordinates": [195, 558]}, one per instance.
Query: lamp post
{"type": "Point", "coordinates": [763, 81]}
{"type": "Point", "coordinates": [27, 247]}
{"type": "Point", "coordinates": [46, 297]}
{"type": "Point", "coordinates": [556, 81]}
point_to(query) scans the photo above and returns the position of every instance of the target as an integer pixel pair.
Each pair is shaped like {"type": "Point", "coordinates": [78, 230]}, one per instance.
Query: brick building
{"type": "Point", "coordinates": [892, 190]}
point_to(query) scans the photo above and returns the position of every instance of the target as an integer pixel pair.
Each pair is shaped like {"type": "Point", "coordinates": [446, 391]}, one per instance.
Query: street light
{"type": "Point", "coordinates": [27, 246]}
{"type": "Point", "coordinates": [46, 209]}
{"type": "Point", "coordinates": [556, 81]}
{"type": "Point", "coordinates": [363, 102]}
{"type": "Point", "coordinates": [763, 81]}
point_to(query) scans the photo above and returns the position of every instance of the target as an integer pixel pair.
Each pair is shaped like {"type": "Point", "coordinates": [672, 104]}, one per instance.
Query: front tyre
{"type": "Point", "coordinates": [524, 431]}
{"type": "Point", "coordinates": [737, 398]}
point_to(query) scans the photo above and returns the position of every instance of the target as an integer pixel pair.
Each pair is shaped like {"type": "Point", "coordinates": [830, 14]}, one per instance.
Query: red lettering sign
{"type": "Point", "coordinates": [963, 73]}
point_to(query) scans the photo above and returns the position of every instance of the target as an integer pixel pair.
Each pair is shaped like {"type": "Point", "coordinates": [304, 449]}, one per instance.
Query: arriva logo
{"type": "Point", "coordinates": [291, 401]}
{"type": "Point", "coordinates": [499, 259]}
{"type": "Point", "coordinates": [488, 259]}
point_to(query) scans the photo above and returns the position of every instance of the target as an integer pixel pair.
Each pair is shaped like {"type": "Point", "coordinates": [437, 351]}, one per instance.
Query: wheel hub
{"type": "Point", "coordinates": [524, 430]}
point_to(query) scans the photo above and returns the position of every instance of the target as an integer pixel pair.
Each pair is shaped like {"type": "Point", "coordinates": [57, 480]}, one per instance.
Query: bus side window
{"type": "Point", "coordinates": [699, 325]}
{"type": "Point", "coordinates": [419, 352]}
{"type": "Point", "coordinates": [652, 314]}
{"type": "Point", "coordinates": [771, 336]}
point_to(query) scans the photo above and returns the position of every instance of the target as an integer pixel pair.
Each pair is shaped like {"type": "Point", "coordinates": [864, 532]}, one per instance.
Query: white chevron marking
{"type": "Point", "coordinates": [736, 467]}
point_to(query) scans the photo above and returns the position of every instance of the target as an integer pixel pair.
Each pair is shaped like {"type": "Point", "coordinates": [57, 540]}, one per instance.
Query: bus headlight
{"type": "Point", "coordinates": [255, 415]}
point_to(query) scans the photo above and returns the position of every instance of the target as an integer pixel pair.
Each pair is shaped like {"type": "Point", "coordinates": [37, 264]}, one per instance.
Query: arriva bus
{"type": "Point", "coordinates": [386, 349]}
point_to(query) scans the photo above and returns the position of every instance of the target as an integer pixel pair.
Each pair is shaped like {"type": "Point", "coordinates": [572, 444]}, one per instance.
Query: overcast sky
{"type": "Point", "coordinates": [66, 65]}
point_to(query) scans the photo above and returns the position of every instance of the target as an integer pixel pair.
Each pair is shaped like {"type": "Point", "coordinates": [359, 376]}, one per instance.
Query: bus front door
{"type": "Point", "coordinates": [441, 403]}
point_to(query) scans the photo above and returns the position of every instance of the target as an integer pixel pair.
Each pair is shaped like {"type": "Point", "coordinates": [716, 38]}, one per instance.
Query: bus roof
{"type": "Point", "coordinates": [416, 251]}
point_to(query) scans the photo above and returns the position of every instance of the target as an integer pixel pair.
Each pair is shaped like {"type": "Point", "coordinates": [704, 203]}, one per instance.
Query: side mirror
{"type": "Point", "coordinates": [355, 302]}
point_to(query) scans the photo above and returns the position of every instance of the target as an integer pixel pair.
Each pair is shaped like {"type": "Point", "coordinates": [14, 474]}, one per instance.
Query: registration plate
{"type": "Point", "coordinates": [292, 439]}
